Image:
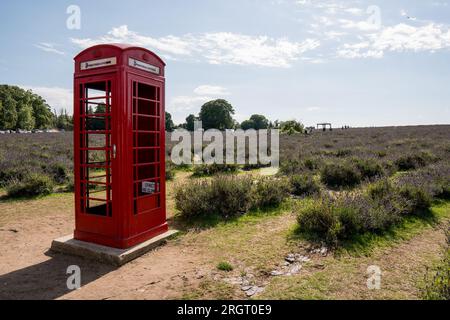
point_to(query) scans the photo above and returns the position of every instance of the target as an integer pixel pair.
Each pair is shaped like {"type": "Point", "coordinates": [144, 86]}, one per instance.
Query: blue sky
{"type": "Point", "coordinates": [361, 63]}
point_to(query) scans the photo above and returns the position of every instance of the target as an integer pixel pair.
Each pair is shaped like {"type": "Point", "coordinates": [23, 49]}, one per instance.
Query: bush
{"type": "Point", "coordinates": [319, 218]}
{"type": "Point", "coordinates": [414, 161]}
{"type": "Point", "coordinates": [369, 168]}
{"type": "Point", "coordinates": [340, 175]}
{"type": "Point", "coordinates": [170, 171]}
{"type": "Point", "coordinates": [304, 185]}
{"type": "Point", "coordinates": [33, 185]}
{"type": "Point", "coordinates": [212, 169]}
{"type": "Point", "coordinates": [291, 166]}
{"type": "Point", "coordinates": [269, 192]}
{"type": "Point", "coordinates": [415, 199]}
{"type": "Point", "coordinates": [58, 172]}
{"type": "Point", "coordinates": [224, 195]}
{"type": "Point", "coordinates": [248, 166]}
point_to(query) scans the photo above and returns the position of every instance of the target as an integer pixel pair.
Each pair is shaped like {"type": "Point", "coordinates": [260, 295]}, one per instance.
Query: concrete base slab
{"type": "Point", "coordinates": [69, 245]}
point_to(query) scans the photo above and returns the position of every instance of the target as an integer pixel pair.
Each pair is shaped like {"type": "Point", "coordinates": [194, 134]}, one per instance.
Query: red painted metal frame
{"type": "Point", "coordinates": [123, 229]}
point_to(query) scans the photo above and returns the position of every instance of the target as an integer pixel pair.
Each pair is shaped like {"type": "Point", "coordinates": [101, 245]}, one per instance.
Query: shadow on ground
{"type": "Point", "coordinates": [48, 280]}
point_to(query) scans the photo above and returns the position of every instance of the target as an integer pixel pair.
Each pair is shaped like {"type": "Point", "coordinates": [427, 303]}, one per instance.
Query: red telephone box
{"type": "Point", "coordinates": [119, 145]}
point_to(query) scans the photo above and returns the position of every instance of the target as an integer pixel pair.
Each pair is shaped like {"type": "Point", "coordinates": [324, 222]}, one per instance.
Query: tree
{"type": "Point", "coordinates": [169, 123]}
{"type": "Point", "coordinates": [291, 127]}
{"type": "Point", "coordinates": [65, 122]}
{"type": "Point", "coordinates": [247, 124]}
{"type": "Point", "coordinates": [25, 119]}
{"type": "Point", "coordinates": [14, 100]}
{"type": "Point", "coordinates": [256, 122]}
{"type": "Point", "coordinates": [190, 126]}
{"type": "Point", "coordinates": [9, 116]}
{"type": "Point", "coordinates": [217, 114]}
{"type": "Point", "coordinates": [41, 112]}
{"type": "Point", "coordinates": [260, 121]}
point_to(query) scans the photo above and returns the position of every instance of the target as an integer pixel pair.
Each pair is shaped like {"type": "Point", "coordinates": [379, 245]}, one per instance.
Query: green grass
{"type": "Point", "coordinates": [225, 266]}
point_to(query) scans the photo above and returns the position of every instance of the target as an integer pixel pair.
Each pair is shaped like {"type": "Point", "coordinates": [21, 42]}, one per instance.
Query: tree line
{"type": "Point", "coordinates": [24, 110]}
{"type": "Point", "coordinates": [218, 114]}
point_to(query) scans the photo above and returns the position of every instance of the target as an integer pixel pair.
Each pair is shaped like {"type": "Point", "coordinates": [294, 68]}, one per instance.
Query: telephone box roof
{"type": "Point", "coordinates": [120, 46]}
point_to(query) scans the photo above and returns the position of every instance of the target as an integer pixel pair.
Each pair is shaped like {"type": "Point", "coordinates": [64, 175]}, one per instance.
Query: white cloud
{"type": "Point", "coordinates": [312, 109]}
{"type": "Point", "coordinates": [399, 38]}
{"type": "Point", "coordinates": [215, 48]}
{"type": "Point", "coordinates": [49, 47]}
{"type": "Point", "coordinates": [360, 25]}
{"type": "Point", "coordinates": [186, 103]}
{"type": "Point", "coordinates": [211, 90]}
{"type": "Point", "coordinates": [56, 97]}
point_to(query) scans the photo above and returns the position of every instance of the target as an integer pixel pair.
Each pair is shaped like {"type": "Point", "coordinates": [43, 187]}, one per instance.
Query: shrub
{"type": "Point", "coordinates": [291, 166]}
{"type": "Point", "coordinates": [10, 174]}
{"type": "Point", "coordinates": [269, 192]}
{"type": "Point", "coordinates": [415, 199]}
{"type": "Point", "coordinates": [369, 168]}
{"type": "Point", "coordinates": [58, 172]}
{"type": "Point", "coordinates": [225, 266]}
{"type": "Point", "coordinates": [319, 218]}
{"type": "Point", "coordinates": [170, 171]}
{"type": "Point", "coordinates": [33, 185]}
{"type": "Point", "coordinates": [212, 169]}
{"type": "Point", "coordinates": [340, 175]}
{"type": "Point", "coordinates": [341, 153]}
{"type": "Point", "coordinates": [312, 163]}
{"type": "Point", "coordinates": [414, 161]}
{"type": "Point", "coordinates": [224, 195]}
{"type": "Point", "coordinates": [380, 190]}
{"type": "Point", "coordinates": [248, 166]}
{"type": "Point", "coordinates": [304, 185]}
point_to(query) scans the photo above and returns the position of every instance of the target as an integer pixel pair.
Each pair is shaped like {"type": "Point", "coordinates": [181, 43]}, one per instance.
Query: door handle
{"type": "Point", "coordinates": [114, 149]}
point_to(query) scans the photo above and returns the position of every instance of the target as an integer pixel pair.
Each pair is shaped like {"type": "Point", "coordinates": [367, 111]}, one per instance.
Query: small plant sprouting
{"type": "Point", "coordinates": [224, 266]}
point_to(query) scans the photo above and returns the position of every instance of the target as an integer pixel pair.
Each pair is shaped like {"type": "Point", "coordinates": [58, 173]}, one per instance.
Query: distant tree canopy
{"type": "Point", "coordinates": [190, 126]}
{"type": "Point", "coordinates": [217, 114]}
{"type": "Point", "coordinates": [256, 121]}
{"type": "Point", "coordinates": [21, 109]}
{"type": "Point", "coordinates": [291, 127]}
{"type": "Point", "coordinates": [169, 122]}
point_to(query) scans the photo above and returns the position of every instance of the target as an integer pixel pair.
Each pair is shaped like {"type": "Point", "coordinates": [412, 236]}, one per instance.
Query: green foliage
{"type": "Point", "coordinates": [225, 266]}
{"type": "Point", "coordinates": [416, 200]}
{"type": "Point", "coordinates": [340, 174]}
{"type": "Point", "coordinates": [190, 125]}
{"type": "Point", "coordinates": [347, 215]}
{"type": "Point", "coordinates": [269, 192]}
{"type": "Point", "coordinates": [256, 121]}
{"type": "Point", "coordinates": [23, 109]}
{"type": "Point", "coordinates": [304, 185]}
{"type": "Point", "coordinates": [169, 123]}
{"type": "Point", "coordinates": [291, 127]}
{"type": "Point", "coordinates": [25, 118]}
{"type": "Point", "coordinates": [414, 161]}
{"type": "Point", "coordinates": [170, 171]}
{"type": "Point", "coordinates": [225, 196]}
{"type": "Point", "coordinates": [369, 168]}
{"type": "Point", "coordinates": [33, 185]}
{"type": "Point", "coordinates": [217, 114]}
{"type": "Point", "coordinates": [212, 169]}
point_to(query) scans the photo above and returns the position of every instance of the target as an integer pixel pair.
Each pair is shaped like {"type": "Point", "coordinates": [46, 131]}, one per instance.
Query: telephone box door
{"type": "Point", "coordinates": [146, 100]}
{"type": "Point", "coordinates": [95, 143]}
